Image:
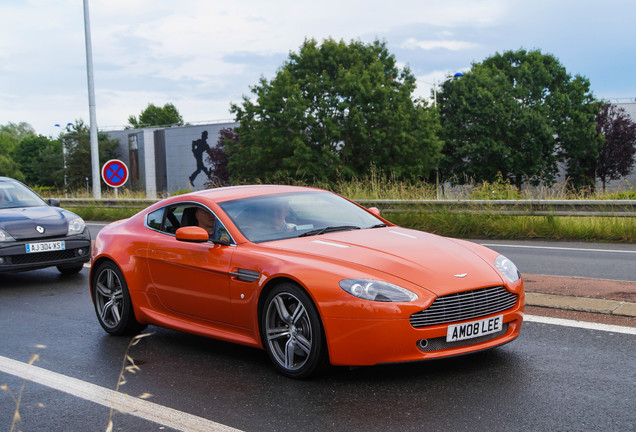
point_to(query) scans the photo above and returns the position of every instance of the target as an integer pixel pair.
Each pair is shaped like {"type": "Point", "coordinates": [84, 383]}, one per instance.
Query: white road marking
{"type": "Point", "coordinates": [558, 248]}
{"type": "Point", "coordinates": [124, 403]}
{"type": "Point", "coordinates": [580, 324]}
{"type": "Point", "coordinates": [180, 420]}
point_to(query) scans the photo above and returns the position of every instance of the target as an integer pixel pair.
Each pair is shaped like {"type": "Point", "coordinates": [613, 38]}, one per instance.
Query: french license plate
{"type": "Point", "coordinates": [45, 246]}
{"type": "Point", "coordinates": [473, 329]}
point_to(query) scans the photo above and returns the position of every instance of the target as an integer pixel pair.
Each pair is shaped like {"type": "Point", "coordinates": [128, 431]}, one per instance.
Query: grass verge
{"type": "Point", "coordinates": [605, 229]}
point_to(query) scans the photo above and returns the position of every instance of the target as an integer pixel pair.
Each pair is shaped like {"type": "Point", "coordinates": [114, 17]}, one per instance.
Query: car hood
{"type": "Point", "coordinates": [21, 222]}
{"type": "Point", "coordinates": [438, 264]}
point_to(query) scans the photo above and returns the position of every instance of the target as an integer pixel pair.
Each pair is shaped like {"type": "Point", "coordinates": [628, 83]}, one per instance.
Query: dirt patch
{"type": "Point", "coordinates": [581, 287]}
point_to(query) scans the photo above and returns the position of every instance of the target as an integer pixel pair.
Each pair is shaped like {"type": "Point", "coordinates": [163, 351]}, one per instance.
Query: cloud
{"type": "Point", "coordinates": [203, 55]}
{"type": "Point", "coordinates": [428, 45]}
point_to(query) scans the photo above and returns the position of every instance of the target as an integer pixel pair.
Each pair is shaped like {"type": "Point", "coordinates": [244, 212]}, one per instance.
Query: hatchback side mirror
{"type": "Point", "coordinates": [54, 202]}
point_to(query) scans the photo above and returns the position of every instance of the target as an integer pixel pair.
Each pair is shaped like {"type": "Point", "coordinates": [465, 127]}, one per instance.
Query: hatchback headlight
{"type": "Point", "coordinates": [377, 290]}
{"type": "Point", "coordinates": [76, 226]}
{"type": "Point", "coordinates": [5, 236]}
{"type": "Point", "coordinates": [507, 268]}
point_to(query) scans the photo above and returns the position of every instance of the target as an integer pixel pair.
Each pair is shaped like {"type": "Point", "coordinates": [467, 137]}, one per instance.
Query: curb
{"type": "Point", "coordinates": [582, 304]}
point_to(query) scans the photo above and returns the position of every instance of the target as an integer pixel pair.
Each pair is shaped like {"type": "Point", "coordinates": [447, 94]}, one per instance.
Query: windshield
{"type": "Point", "coordinates": [275, 217]}
{"type": "Point", "coordinates": [13, 194]}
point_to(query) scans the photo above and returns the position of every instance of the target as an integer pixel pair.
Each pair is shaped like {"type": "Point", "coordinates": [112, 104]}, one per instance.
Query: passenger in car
{"type": "Point", "coordinates": [275, 218]}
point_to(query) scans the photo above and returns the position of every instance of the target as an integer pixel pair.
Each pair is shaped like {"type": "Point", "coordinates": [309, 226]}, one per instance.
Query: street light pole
{"type": "Point", "coordinates": [64, 153]}
{"type": "Point", "coordinates": [457, 75]}
{"type": "Point", "coordinates": [97, 190]}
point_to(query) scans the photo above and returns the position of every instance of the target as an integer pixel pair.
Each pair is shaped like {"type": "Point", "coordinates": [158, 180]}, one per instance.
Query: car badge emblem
{"type": "Point", "coordinates": [461, 275]}
{"type": "Point", "coordinates": [39, 229]}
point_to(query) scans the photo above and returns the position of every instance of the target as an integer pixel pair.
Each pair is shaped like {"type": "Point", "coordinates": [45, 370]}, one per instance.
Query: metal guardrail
{"type": "Point", "coordinates": [596, 208]}
{"type": "Point", "coordinates": [589, 208]}
{"type": "Point", "coordinates": [131, 203]}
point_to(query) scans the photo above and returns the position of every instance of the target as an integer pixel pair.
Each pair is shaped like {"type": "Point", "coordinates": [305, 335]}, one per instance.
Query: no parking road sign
{"type": "Point", "coordinates": [115, 173]}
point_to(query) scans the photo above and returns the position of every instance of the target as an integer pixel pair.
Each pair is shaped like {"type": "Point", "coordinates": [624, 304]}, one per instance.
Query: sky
{"type": "Point", "coordinates": [204, 55]}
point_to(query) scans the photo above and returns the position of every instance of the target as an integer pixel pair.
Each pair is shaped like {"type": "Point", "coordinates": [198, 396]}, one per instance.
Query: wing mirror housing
{"type": "Point", "coordinates": [375, 211]}
{"type": "Point", "coordinates": [192, 234]}
{"type": "Point", "coordinates": [54, 202]}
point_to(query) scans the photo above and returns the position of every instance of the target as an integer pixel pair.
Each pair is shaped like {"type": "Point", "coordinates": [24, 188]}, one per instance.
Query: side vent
{"type": "Point", "coordinates": [246, 275]}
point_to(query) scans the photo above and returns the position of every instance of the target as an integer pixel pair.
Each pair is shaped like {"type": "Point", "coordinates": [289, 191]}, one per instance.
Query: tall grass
{"type": "Point", "coordinates": [380, 186]}
{"type": "Point", "coordinates": [609, 229]}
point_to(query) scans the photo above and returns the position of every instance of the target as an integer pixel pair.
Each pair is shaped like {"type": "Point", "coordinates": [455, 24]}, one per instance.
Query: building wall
{"type": "Point", "coordinates": [161, 160]}
{"type": "Point", "coordinates": [181, 162]}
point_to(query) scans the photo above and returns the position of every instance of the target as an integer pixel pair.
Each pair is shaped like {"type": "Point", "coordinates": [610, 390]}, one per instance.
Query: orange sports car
{"type": "Point", "coordinates": [305, 274]}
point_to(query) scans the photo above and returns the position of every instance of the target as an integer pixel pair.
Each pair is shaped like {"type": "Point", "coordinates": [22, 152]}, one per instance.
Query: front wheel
{"type": "Point", "coordinates": [70, 270]}
{"type": "Point", "coordinates": [292, 332]}
{"type": "Point", "coordinates": [112, 301]}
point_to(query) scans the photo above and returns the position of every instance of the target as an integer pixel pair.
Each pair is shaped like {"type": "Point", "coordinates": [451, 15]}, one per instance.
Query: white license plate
{"type": "Point", "coordinates": [45, 246]}
{"type": "Point", "coordinates": [473, 329]}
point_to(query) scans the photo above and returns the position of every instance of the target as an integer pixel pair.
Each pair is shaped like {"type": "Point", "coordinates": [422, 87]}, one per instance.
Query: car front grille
{"type": "Point", "coordinates": [43, 257]}
{"type": "Point", "coordinates": [464, 306]}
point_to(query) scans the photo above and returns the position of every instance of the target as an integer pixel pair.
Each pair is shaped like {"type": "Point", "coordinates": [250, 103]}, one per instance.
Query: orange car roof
{"type": "Point", "coordinates": [237, 192]}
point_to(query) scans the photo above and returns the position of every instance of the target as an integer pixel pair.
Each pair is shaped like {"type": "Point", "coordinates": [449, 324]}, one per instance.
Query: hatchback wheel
{"type": "Point", "coordinates": [70, 270]}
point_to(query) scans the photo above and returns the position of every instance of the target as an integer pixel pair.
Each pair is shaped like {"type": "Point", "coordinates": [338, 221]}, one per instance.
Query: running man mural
{"type": "Point", "coordinates": [199, 147]}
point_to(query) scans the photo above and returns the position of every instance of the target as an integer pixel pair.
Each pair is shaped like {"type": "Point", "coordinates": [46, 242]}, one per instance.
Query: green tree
{"type": "Point", "coordinates": [168, 115]}
{"type": "Point", "coordinates": [14, 133]}
{"type": "Point", "coordinates": [8, 168]}
{"type": "Point", "coordinates": [76, 140]}
{"type": "Point", "coordinates": [334, 109]}
{"type": "Point", "coordinates": [518, 114]}
{"type": "Point", "coordinates": [40, 160]}
{"type": "Point", "coordinates": [618, 152]}
{"type": "Point", "coordinates": [10, 136]}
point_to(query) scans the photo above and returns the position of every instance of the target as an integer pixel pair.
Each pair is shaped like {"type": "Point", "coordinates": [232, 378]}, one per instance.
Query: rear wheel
{"type": "Point", "coordinates": [292, 332]}
{"type": "Point", "coordinates": [112, 301]}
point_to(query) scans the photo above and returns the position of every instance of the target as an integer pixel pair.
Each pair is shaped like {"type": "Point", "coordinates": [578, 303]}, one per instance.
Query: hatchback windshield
{"type": "Point", "coordinates": [14, 194]}
{"type": "Point", "coordinates": [274, 217]}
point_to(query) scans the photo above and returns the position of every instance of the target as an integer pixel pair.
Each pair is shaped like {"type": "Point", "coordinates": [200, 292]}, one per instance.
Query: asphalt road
{"type": "Point", "coordinates": [616, 261]}
{"type": "Point", "coordinates": [552, 377]}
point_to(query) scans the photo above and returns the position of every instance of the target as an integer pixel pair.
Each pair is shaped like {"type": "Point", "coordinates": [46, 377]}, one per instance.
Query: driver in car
{"type": "Point", "coordinates": [212, 225]}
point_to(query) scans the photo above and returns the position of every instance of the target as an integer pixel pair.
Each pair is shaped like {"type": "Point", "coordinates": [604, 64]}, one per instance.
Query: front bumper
{"type": "Point", "coordinates": [356, 342]}
{"type": "Point", "coordinates": [14, 258]}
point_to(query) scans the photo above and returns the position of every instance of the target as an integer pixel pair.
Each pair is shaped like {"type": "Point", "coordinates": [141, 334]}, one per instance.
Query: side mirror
{"type": "Point", "coordinates": [54, 202]}
{"type": "Point", "coordinates": [192, 234]}
{"type": "Point", "coordinates": [375, 211]}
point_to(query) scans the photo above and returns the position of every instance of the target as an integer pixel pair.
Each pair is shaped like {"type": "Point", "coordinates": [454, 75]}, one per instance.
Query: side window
{"type": "Point", "coordinates": [181, 215]}
{"type": "Point", "coordinates": [174, 216]}
{"type": "Point", "coordinates": [155, 218]}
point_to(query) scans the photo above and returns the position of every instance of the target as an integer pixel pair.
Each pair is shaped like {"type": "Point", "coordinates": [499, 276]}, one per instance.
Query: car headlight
{"type": "Point", "coordinates": [507, 268]}
{"type": "Point", "coordinates": [377, 290]}
{"type": "Point", "coordinates": [76, 226]}
{"type": "Point", "coordinates": [5, 236]}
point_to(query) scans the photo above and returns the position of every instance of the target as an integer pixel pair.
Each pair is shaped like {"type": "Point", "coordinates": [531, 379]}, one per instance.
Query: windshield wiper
{"type": "Point", "coordinates": [329, 229]}
{"type": "Point", "coordinates": [380, 225]}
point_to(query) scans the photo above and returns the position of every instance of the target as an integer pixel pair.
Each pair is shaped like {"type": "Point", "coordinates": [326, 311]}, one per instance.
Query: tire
{"type": "Point", "coordinates": [292, 333]}
{"type": "Point", "coordinates": [112, 302]}
{"type": "Point", "coordinates": [70, 270]}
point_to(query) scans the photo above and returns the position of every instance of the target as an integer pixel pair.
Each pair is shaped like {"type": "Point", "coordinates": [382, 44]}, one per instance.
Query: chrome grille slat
{"type": "Point", "coordinates": [464, 306]}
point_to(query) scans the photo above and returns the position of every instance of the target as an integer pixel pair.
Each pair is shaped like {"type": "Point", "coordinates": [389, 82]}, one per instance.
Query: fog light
{"type": "Point", "coordinates": [80, 252]}
{"type": "Point", "coordinates": [1, 260]}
